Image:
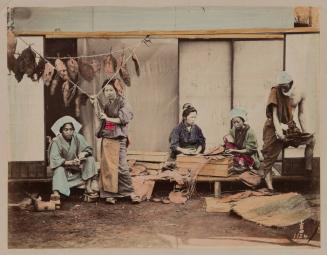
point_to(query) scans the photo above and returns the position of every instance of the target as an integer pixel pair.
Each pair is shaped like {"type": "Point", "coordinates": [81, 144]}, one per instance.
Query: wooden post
{"type": "Point", "coordinates": [217, 189]}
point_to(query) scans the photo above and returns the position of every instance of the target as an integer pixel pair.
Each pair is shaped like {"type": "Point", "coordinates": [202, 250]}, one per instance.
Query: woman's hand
{"type": "Point", "coordinates": [188, 151]}
{"type": "Point", "coordinates": [103, 116]}
{"type": "Point", "coordinates": [92, 99]}
{"type": "Point", "coordinates": [231, 150]}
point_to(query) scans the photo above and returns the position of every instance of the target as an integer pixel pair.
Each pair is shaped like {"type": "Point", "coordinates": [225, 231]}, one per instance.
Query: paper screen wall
{"type": "Point", "coordinates": [153, 95]}
{"type": "Point", "coordinates": [256, 65]}
{"type": "Point", "coordinates": [26, 112]}
{"type": "Point", "coordinates": [302, 62]}
{"type": "Point", "coordinates": [204, 81]}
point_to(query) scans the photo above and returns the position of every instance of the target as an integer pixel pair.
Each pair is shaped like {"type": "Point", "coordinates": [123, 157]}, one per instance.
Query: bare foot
{"type": "Point", "coordinates": [268, 180]}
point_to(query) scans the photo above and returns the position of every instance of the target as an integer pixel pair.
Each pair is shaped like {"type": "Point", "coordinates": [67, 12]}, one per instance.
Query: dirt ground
{"type": "Point", "coordinates": [147, 225]}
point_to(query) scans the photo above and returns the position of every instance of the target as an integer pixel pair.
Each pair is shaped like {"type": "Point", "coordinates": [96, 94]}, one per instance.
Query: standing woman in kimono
{"type": "Point", "coordinates": [70, 159]}
{"type": "Point", "coordinates": [115, 180]}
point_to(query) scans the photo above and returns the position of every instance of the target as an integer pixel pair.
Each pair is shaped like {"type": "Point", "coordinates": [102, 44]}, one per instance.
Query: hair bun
{"type": "Point", "coordinates": [187, 106]}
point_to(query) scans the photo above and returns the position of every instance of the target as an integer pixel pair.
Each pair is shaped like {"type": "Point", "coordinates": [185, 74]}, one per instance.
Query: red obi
{"type": "Point", "coordinates": [110, 126]}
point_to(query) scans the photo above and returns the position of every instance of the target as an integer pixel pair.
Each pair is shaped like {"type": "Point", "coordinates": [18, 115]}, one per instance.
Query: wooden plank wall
{"type": "Point", "coordinates": [26, 113]}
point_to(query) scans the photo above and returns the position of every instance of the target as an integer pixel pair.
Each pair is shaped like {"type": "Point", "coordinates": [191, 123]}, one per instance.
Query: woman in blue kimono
{"type": "Point", "coordinates": [187, 137]}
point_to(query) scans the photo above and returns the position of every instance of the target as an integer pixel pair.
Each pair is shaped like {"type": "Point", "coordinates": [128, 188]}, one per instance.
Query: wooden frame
{"type": "Point", "coordinates": [261, 33]}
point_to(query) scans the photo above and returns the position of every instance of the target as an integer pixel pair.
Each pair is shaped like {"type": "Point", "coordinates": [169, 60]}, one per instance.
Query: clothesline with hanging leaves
{"type": "Point", "coordinates": [47, 70]}
{"type": "Point", "coordinates": [97, 55]}
{"type": "Point", "coordinates": [114, 75]}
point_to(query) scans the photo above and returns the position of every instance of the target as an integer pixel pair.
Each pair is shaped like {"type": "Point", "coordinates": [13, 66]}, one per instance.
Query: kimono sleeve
{"type": "Point", "coordinates": [251, 144]}
{"type": "Point", "coordinates": [55, 157]}
{"type": "Point", "coordinates": [125, 113]}
{"type": "Point", "coordinates": [232, 132]}
{"type": "Point", "coordinates": [83, 145]}
{"type": "Point", "coordinates": [272, 101]}
{"type": "Point", "coordinates": [201, 139]}
{"type": "Point", "coordinates": [174, 139]}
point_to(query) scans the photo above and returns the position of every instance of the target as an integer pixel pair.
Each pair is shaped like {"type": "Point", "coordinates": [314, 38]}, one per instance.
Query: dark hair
{"type": "Point", "coordinates": [62, 127]}
{"type": "Point", "coordinates": [187, 105]}
{"type": "Point", "coordinates": [188, 110]}
{"type": "Point", "coordinates": [112, 83]}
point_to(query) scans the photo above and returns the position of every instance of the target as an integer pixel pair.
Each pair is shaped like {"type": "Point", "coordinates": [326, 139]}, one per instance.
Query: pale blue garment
{"type": "Point", "coordinates": [60, 151]}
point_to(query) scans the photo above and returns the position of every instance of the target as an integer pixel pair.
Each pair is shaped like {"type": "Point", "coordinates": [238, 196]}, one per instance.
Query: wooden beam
{"type": "Point", "coordinates": [219, 33]}
{"type": "Point", "coordinates": [26, 180]}
{"type": "Point", "coordinates": [236, 178]}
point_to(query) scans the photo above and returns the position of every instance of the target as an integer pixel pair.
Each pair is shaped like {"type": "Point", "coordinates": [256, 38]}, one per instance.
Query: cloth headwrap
{"type": "Point", "coordinates": [238, 112]}
{"type": "Point", "coordinates": [284, 78]}
{"type": "Point", "coordinates": [62, 121]}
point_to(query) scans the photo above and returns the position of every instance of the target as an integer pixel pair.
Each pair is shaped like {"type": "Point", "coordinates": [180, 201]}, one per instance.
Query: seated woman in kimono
{"type": "Point", "coordinates": [70, 159]}
{"type": "Point", "coordinates": [187, 138]}
{"type": "Point", "coordinates": [242, 142]}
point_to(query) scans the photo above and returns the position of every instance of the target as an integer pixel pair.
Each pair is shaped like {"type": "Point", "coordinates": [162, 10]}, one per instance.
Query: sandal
{"type": "Point", "coordinates": [136, 199]}
{"type": "Point", "coordinates": [56, 200]}
{"type": "Point", "coordinates": [111, 200]}
{"type": "Point", "coordinates": [92, 194]}
{"type": "Point", "coordinates": [165, 200]}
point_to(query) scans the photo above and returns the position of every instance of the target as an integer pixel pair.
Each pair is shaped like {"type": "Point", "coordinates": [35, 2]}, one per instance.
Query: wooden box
{"type": "Point", "coordinates": [155, 157]}
{"type": "Point", "coordinates": [214, 167]}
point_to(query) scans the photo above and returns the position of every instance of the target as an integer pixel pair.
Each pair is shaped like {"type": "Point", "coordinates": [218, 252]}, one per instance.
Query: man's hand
{"type": "Point", "coordinates": [280, 135]}
{"type": "Point", "coordinates": [74, 162]}
{"type": "Point", "coordinates": [283, 126]}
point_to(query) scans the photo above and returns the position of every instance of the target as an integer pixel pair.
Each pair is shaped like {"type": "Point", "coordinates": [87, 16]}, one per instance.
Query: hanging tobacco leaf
{"type": "Point", "coordinates": [96, 65]}
{"type": "Point", "coordinates": [120, 87]}
{"type": "Point", "coordinates": [39, 70]}
{"type": "Point", "coordinates": [86, 71]}
{"type": "Point", "coordinates": [48, 74]}
{"type": "Point", "coordinates": [136, 64]}
{"type": "Point", "coordinates": [26, 64]}
{"type": "Point", "coordinates": [61, 69]}
{"type": "Point", "coordinates": [72, 68]}
{"type": "Point", "coordinates": [110, 65]}
{"type": "Point", "coordinates": [11, 63]}
{"type": "Point", "coordinates": [68, 93]}
{"type": "Point", "coordinates": [11, 42]}
{"type": "Point", "coordinates": [123, 71]}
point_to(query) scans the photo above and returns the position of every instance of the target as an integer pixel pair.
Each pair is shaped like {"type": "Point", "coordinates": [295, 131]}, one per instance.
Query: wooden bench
{"type": "Point", "coordinates": [218, 180]}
